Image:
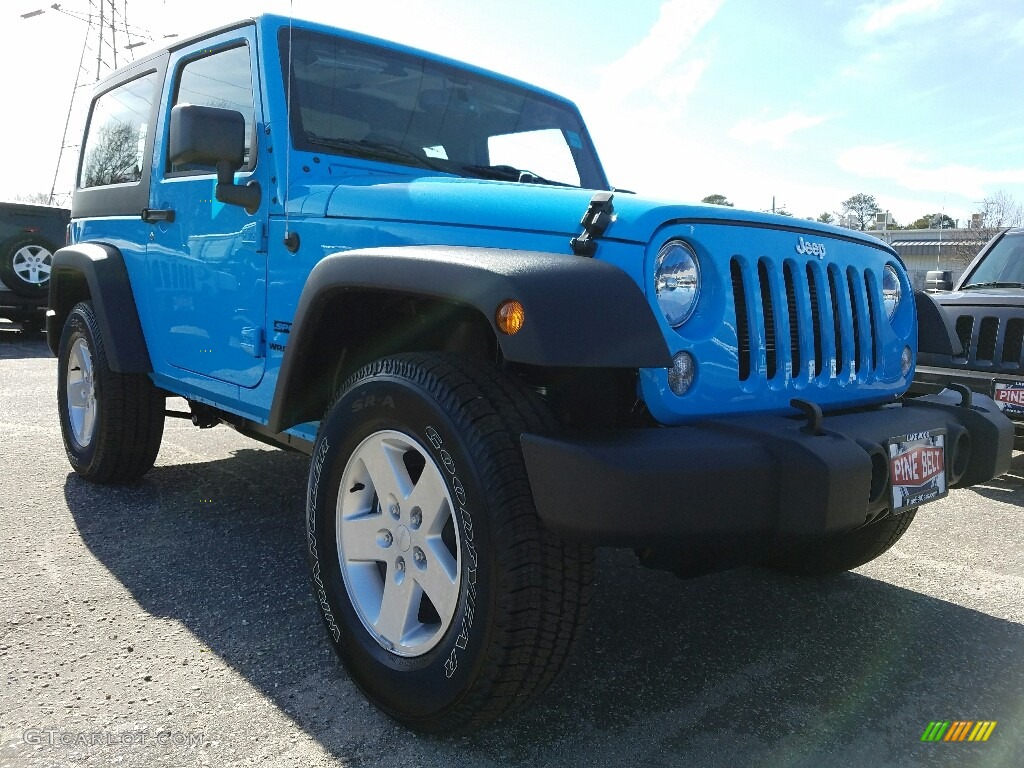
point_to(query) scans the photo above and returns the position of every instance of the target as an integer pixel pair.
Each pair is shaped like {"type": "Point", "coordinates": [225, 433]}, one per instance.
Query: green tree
{"type": "Point", "coordinates": [863, 208]}
{"type": "Point", "coordinates": [717, 199]}
{"type": "Point", "coordinates": [826, 218]}
{"type": "Point", "coordinates": [933, 221]}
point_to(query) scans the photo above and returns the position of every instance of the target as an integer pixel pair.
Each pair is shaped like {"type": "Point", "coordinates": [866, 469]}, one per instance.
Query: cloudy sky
{"type": "Point", "coordinates": [917, 102]}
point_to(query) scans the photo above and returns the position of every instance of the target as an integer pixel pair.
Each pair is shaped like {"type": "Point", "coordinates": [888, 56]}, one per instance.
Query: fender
{"type": "Point", "coordinates": [935, 335]}
{"type": "Point", "coordinates": [579, 312]}
{"type": "Point", "coordinates": [104, 272]}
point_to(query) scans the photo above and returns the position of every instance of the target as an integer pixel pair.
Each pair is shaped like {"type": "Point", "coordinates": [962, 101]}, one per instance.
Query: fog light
{"type": "Point", "coordinates": [680, 375]}
{"type": "Point", "coordinates": [510, 317]}
{"type": "Point", "coordinates": [906, 361]}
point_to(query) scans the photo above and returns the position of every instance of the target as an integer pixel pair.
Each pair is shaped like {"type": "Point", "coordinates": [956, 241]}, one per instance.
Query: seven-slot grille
{"type": "Point", "coordinates": [809, 320]}
{"type": "Point", "coordinates": [990, 338]}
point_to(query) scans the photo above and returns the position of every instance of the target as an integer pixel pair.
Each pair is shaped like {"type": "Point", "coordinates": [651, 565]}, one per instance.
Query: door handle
{"type": "Point", "coordinates": [153, 215]}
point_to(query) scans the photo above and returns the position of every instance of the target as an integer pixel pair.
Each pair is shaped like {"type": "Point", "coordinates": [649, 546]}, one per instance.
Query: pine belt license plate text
{"type": "Point", "coordinates": [917, 468]}
{"type": "Point", "coordinates": [1009, 396]}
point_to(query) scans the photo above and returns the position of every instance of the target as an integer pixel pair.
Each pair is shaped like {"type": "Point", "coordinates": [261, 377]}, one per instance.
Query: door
{"type": "Point", "coordinates": [207, 260]}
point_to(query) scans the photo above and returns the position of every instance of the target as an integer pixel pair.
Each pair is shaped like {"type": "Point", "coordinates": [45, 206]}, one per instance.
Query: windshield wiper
{"type": "Point", "coordinates": [993, 284]}
{"type": "Point", "coordinates": [509, 173]}
{"type": "Point", "coordinates": [373, 150]}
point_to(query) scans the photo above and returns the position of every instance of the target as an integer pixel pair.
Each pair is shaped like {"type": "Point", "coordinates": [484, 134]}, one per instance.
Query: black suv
{"type": "Point", "coordinates": [986, 311]}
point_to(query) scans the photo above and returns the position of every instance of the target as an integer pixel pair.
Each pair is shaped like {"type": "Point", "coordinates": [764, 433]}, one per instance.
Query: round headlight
{"type": "Point", "coordinates": [677, 281]}
{"type": "Point", "coordinates": [891, 290]}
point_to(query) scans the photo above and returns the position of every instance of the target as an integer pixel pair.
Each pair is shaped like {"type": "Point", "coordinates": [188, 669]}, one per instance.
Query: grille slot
{"type": "Point", "coordinates": [742, 325]}
{"type": "Point", "coordinates": [851, 287]}
{"type": "Point", "coordinates": [1013, 342]}
{"type": "Point", "coordinates": [768, 308]}
{"type": "Point", "coordinates": [987, 333]}
{"type": "Point", "coordinates": [816, 330]}
{"type": "Point", "coordinates": [872, 307]}
{"type": "Point", "coordinates": [794, 319]}
{"type": "Point", "coordinates": [964, 331]}
{"type": "Point", "coordinates": [837, 322]}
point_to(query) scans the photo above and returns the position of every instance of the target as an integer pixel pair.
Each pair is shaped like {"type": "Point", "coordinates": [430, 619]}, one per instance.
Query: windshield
{"type": "Point", "coordinates": [351, 98]}
{"type": "Point", "coordinates": [1002, 265]}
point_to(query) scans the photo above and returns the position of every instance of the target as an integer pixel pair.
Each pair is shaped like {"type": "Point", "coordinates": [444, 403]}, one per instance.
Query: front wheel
{"type": "Point", "coordinates": [112, 422]}
{"type": "Point", "coordinates": [846, 551]}
{"type": "Point", "coordinates": [445, 598]}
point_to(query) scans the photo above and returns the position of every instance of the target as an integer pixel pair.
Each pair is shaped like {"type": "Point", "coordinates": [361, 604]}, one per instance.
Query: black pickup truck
{"type": "Point", "coordinates": [29, 234]}
{"type": "Point", "coordinates": [986, 311]}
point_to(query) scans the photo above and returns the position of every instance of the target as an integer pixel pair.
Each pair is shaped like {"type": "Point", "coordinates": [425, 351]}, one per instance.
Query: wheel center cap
{"type": "Point", "coordinates": [404, 538]}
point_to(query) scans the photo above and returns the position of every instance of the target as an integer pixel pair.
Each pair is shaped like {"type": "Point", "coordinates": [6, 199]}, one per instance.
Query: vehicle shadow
{"type": "Point", "coordinates": [740, 668]}
{"type": "Point", "coordinates": [1007, 488]}
{"type": "Point", "coordinates": [16, 344]}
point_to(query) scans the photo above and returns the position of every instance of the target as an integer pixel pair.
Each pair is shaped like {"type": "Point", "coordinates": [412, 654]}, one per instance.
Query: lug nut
{"type": "Point", "coordinates": [384, 538]}
{"type": "Point", "coordinates": [395, 511]}
{"type": "Point", "coordinates": [416, 519]}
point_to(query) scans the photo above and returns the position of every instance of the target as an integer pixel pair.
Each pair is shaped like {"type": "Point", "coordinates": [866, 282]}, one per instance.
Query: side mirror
{"type": "Point", "coordinates": [938, 280]}
{"type": "Point", "coordinates": [212, 136]}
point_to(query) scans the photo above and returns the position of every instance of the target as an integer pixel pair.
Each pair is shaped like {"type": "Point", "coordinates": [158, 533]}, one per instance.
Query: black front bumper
{"type": "Point", "coordinates": [750, 480]}
{"type": "Point", "coordinates": [931, 379]}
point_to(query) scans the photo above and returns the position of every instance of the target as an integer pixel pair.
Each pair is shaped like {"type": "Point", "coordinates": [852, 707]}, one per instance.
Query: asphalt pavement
{"type": "Point", "coordinates": [169, 623]}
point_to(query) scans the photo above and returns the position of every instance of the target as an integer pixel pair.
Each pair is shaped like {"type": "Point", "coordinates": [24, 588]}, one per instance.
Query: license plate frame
{"type": "Point", "coordinates": [1006, 397]}
{"type": "Point", "coordinates": [917, 469]}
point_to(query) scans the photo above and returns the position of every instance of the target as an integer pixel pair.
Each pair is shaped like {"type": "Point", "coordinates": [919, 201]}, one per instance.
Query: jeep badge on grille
{"type": "Point", "coordinates": [810, 249]}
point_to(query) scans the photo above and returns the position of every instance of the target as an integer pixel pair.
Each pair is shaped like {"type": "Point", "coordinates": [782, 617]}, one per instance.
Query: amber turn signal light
{"type": "Point", "coordinates": [510, 317]}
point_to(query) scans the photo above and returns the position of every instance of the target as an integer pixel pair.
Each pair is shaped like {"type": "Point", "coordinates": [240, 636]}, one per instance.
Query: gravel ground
{"type": "Point", "coordinates": [169, 623]}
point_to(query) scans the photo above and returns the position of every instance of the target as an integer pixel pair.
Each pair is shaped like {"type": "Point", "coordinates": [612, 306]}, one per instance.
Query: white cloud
{"type": "Point", "coordinates": [774, 132]}
{"type": "Point", "coordinates": [656, 58]}
{"type": "Point", "coordinates": [915, 171]}
{"type": "Point", "coordinates": [882, 17]}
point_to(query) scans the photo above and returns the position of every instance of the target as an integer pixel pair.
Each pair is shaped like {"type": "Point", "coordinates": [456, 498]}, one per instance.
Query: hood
{"type": "Point", "coordinates": [981, 297]}
{"type": "Point", "coordinates": [498, 205]}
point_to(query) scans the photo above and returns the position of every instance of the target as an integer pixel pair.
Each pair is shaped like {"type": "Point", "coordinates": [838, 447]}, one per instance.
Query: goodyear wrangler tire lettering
{"type": "Point", "coordinates": [446, 601]}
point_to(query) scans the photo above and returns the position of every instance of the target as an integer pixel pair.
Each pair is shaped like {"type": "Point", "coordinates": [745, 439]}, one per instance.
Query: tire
{"type": "Point", "coordinates": [112, 430]}
{"type": "Point", "coordinates": [445, 620]}
{"type": "Point", "coordinates": [849, 550]}
{"type": "Point", "coordinates": [25, 266]}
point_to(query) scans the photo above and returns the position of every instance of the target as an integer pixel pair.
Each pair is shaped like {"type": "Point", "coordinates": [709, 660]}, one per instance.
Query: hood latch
{"type": "Point", "coordinates": [595, 221]}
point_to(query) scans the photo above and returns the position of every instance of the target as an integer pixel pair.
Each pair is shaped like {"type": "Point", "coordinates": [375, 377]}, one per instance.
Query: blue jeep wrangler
{"type": "Point", "coordinates": [416, 272]}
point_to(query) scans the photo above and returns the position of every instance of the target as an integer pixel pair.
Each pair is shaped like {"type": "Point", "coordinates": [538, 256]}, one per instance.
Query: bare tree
{"type": "Point", "coordinates": [34, 198]}
{"type": "Point", "coordinates": [114, 158]}
{"type": "Point", "coordinates": [1000, 210]}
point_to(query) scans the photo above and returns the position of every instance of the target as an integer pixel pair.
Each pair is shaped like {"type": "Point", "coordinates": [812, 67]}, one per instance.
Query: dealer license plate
{"type": "Point", "coordinates": [1009, 396]}
{"type": "Point", "coordinates": [917, 467]}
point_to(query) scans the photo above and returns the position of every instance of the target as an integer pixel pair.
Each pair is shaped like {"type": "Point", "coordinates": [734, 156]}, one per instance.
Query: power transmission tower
{"type": "Point", "coordinates": [106, 26]}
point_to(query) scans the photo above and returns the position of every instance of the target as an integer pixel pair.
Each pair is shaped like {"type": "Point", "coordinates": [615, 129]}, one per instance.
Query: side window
{"type": "Point", "coordinates": [222, 80]}
{"type": "Point", "coordinates": [543, 152]}
{"type": "Point", "coordinates": [115, 141]}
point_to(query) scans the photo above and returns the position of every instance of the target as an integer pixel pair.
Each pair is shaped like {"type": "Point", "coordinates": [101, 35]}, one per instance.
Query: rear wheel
{"type": "Point", "coordinates": [112, 422]}
{"type": "Point", "coordinates": [849, 550]}
{"type": "Point", "coordinates": [443, 595]}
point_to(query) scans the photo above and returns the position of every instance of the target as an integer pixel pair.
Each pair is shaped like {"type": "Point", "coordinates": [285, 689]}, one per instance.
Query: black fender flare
{"type": "Point", "coordinates": [579, 312]}
{"type": "Point", "coordinates": [935, 334]}
{"type": "Point", "coordinates": [102, 267]}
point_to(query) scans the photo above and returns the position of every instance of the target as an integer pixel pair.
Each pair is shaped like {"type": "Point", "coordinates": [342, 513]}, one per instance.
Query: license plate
{"type": "Point", "coordinates": [1009, 396]}
{"type": "Point", "coordinates": [917, 467]}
